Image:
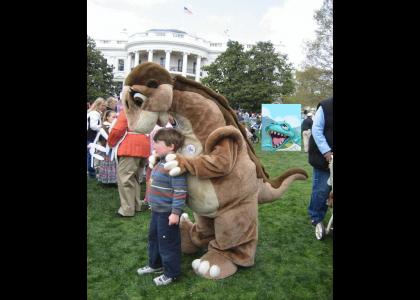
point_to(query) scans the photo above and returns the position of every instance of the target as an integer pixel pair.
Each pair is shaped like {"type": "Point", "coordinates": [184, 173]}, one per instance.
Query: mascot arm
{"type": "Point", "coordinates": [217, 163]}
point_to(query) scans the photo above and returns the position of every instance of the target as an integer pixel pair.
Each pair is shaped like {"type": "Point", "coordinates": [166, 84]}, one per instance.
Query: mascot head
{"type": "Point", "coordinates": [147, 96]}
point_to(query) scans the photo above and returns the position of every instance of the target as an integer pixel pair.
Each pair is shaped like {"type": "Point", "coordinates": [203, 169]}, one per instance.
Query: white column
{"type": "Point", "coordinates": [198, 68]}
{"type": "Point", "coordinates": [150, 58]}
{"type": "Point", "coordinates": [167, 59]}
{"type": "Point", "coordinates": [184, 64]}
{"type": "Point", "coordinates": [128, 63]}
{"type": "Point", "coordinates": [136, 58]}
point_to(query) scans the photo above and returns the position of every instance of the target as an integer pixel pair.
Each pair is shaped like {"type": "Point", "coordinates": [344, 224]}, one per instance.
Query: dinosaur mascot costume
{"type": "Point", "coordinates": [226, 181]}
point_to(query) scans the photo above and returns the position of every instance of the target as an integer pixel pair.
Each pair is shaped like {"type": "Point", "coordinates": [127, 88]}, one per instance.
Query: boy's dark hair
{"type": "Point", "coordinates": [170, 136]}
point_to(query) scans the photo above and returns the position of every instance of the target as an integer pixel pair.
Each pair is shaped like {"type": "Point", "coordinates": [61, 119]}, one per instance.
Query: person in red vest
{"type": "Point", "coordinates": [132, 150]}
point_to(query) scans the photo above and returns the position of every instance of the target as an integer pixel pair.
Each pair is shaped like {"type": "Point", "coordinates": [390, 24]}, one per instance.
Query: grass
{"type": "Point", "coordinates": [290, 262]}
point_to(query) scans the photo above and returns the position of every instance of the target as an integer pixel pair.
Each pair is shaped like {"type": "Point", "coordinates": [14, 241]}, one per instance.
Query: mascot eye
{"type": "Point", "coordinates": [138, 97]}
{"type": "Point", "coordinates": [152, 83]}
{"type": "Point", "coordinates": [284, 126]}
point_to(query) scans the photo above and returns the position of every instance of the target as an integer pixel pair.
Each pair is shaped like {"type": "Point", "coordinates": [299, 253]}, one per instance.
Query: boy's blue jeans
{"type": "Point", "coordinates": [164, 245]}
{"type": "Point", "coordinates": [320, 192]}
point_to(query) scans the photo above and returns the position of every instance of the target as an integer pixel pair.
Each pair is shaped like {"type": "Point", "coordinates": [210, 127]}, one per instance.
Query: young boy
{"type": "Point", "coordinates": [167, 198]}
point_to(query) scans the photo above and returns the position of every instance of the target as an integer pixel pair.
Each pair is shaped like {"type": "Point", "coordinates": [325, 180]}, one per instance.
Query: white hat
{"type": "Point", "coordinates": [309, 114]}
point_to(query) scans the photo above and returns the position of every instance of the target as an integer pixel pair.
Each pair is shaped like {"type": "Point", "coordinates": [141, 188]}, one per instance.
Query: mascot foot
{"type": "Point", "coordinates": [212, 265]}
{"type": "Point", "coordinates": [187, 245]}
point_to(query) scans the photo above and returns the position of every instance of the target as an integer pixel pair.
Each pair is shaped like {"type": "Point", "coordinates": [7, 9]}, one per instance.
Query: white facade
{"type": "Point", "coordinates": [175, 50]}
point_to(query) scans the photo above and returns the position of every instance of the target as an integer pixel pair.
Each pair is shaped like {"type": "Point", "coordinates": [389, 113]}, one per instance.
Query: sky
{"type": "Point", "coordinates": [287, 23]}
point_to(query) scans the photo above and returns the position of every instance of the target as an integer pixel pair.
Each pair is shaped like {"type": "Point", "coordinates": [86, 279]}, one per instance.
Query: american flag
{"type": "Point", "coordinates": [187, 11]}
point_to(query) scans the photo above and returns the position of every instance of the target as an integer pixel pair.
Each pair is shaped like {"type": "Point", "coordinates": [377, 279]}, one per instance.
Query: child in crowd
{"type": "Point", "coordinates": [167, 199]}
{"type": "Point", "coordinates": [107, 169]}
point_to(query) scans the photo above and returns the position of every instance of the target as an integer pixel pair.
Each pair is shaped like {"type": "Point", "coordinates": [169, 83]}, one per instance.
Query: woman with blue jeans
{"type": "Point", "coordinates": [320, 154]}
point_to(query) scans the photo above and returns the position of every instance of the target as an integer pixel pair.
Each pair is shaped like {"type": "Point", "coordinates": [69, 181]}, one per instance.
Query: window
{"type": "Point", "coordinates": [178, 35]}
{"type": "Point", "coordinates": [162, 62]}
{"type": "Point", "coordinates": [194, 67]}
{"type": "Point", "coordinates": [121, 65]}
{"type": "Point", "coordinates": [179, 65]}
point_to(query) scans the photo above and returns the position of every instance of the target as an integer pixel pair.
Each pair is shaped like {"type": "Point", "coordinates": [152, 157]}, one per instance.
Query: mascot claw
{"type": "Point", "coordinates": [170, 157]}
{"type": "Point", "coordinates": [175, 171]}
{"type": "Point", "coordinates": [152, 159]}
{"type": "Point", "coordinates": [202, 267]}
{"type": "Point", "coordinates": [184, 217]}
{"type": "Point", "coordinates": [172, 165]}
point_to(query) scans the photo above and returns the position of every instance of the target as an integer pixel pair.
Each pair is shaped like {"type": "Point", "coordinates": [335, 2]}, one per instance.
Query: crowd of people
{"type": "Point", "coordinates": [116, 155]}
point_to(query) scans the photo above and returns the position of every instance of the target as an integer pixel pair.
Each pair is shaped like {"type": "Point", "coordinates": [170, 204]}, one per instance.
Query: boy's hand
{"type": "Point", "coordinates": [173, 219]}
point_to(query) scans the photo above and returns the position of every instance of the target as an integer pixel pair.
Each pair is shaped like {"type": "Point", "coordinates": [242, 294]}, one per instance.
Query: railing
{"type": "Point", "coordinates": [175, 36]}
{"type": "Point", "coordinates": [175, 69]}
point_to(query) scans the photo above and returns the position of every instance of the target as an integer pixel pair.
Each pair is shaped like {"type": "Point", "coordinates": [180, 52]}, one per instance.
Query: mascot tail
{"type": "Point", "coordinates": [273, 189]}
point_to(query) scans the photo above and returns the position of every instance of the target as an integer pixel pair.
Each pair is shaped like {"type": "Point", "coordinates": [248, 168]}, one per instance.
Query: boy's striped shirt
{"type": "Point", "coordinates": [167, 193]}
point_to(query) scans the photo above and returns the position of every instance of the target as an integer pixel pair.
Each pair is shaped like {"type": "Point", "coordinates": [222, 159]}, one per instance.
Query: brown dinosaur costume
{"type": "Point", "coordinates": [225, 179]}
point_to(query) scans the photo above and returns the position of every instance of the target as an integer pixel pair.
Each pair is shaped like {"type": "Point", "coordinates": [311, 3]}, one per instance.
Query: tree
{"type": "Point", "coordinates": [99, 74]}
{"type": "Point", "coordinates": [315, 81]}
{"type": "Point", "coordinates": [249, 78]}
{"type": "Point", "coordinates": [269, 73]}
{"type": "Point", "coordinates": [225, 75]}
{"type": "Point", "coordinates": [311, 87]}
{"type": "Point", "coordinates": [320, 51]}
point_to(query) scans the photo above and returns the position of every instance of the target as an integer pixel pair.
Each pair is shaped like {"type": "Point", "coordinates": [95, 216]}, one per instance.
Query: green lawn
{"type": "Point", "coordinates": [290, 262]}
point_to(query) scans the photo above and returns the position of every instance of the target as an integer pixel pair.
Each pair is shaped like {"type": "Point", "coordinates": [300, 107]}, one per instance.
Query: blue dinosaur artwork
{"type": "Point", "coordinates": [280, 129]}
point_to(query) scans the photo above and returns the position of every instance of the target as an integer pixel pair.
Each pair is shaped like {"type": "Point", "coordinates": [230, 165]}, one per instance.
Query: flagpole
{"type": "Point", "coordinates": [183, 21]}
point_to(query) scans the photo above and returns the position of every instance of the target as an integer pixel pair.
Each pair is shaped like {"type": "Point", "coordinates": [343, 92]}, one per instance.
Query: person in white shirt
{"type": "Point", "coordinates": [94, 124]}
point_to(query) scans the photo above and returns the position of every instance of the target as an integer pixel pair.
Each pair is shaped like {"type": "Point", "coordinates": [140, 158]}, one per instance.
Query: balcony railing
{"type": "Point", "coordinates": [175, 69]}
{"type": "Point", "coordinates": [179, 69]}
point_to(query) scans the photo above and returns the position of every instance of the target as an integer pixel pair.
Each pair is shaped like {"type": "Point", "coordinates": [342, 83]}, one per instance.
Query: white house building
{"type": "Point", "coordinates": [175, 50]}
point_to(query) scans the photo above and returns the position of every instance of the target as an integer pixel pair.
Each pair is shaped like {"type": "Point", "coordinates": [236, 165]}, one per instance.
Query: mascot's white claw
{"type": "Point", "coordinates": [195, 264]}
{"type": "Point", "coordinates": [214, 271]}
{"type": "Point", "coordinates": [204, 267]}
{"type": "Point", "coordinates": [184, 217]}
{"type": "Point", "coordinates": [170, 165]}
{"type": "Point", "coordinates": [170, 157]}
{"type": "Point", "coordinates": [175, 171]}
{"type": "Point", "coordinates": [152, 161]}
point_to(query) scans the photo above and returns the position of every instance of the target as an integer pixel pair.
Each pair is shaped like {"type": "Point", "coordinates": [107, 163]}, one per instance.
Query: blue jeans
{"type": "Point", "coordinates": [320, 192]}
{"type": "Point", "coordinates": [91, 170]}
{"type": "Point", "coordinates": [164, 245]}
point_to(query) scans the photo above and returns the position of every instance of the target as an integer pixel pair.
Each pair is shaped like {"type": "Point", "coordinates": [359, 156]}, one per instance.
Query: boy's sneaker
{"type": "Point", "coordinates": [148, 270]}
{"type": "Point", "coordinates": [163, 280]}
